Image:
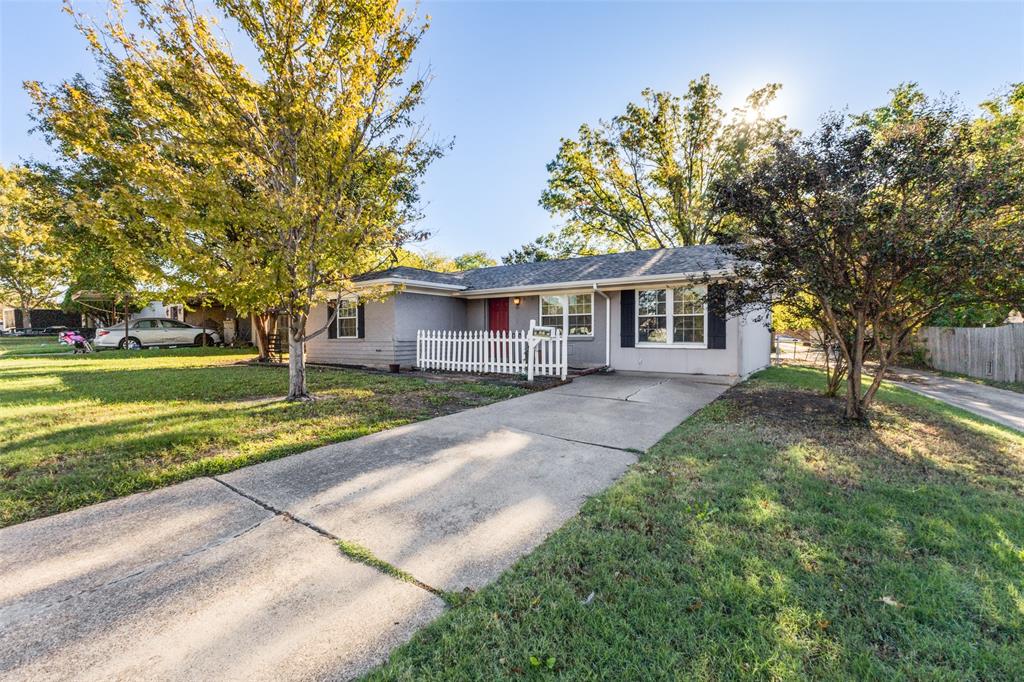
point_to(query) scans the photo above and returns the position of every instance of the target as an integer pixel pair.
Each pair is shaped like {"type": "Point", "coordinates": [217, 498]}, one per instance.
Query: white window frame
{"type": "Point", "coordinates": [565, 311]}
{"type": "Point", "coordinates": [669, 314]}
{"type": "Point", "coordinates": [338, 318]}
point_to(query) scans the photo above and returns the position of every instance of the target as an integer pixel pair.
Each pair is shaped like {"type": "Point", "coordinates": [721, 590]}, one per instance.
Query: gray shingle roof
{"type": "Point", "coordinates": [685, 260]}
{"type": "Point", "coordinates": [416, 274]}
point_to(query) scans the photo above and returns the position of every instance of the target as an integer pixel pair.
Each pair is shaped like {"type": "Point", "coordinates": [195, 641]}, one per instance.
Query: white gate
{"type": "Point", "coordinates": [540, 351]}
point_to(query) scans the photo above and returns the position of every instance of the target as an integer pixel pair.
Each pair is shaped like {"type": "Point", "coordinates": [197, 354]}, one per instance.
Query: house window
{"type": "Point", "coordinates": [578, 307]}
{"type": "Point", "coordinates": [675, 316]}
{"type": "Point", "coordinates": [348, 326]}
{"type": "Point", "coordinates": [652, 324]}
{"type": "Point", "coordinates": [687, 316]}
{"type": "Point", "coordinates": [551, 311]}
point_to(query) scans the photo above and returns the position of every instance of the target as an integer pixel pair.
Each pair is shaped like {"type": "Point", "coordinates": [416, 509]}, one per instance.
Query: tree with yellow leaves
{"type": "Point", "coordinates": [305, 170]}
{"type": "Point", "coordinates": [31, 268]}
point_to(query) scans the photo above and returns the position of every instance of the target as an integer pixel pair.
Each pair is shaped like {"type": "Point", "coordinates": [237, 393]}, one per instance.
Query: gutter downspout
{"type": "Point", "coordinates": [607, 327]}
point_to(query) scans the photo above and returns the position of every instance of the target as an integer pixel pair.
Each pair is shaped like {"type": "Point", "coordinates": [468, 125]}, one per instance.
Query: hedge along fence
{"type": "Point", "coordinates": [995, 353]}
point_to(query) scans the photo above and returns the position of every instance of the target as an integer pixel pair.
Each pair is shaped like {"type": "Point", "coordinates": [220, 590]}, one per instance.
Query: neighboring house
{"type": "Point", "coordinates": [232, 326]}
{"type": "Point", "coordinates": [634, 311]}
{"type": "Point", "coordinates": [160, 309]}
{"type": "Point", "coordinates": [13, 318]}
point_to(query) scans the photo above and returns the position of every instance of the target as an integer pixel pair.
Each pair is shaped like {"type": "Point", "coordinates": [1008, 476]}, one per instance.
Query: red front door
{"type": "Point", "coordinates": [497, 314]}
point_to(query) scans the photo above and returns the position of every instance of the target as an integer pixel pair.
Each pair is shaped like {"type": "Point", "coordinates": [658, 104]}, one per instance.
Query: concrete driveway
{"type": "Point", "coordinates": [241, 576]}
{"type": "Point", "coordinates": [997, 404]}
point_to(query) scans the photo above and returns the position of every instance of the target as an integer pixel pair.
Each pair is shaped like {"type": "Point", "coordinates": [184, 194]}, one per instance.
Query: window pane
{"type": "Point", "coordinates": [688, 329]}
{"type": "Point", "coordinates": [551, 311]}
{"type": "Point", "coordinates": [347, 326]}
{"type": "Point", "coordinates": [686, 302]}
{"type": "Point", "coordinates": [653, 330]}
{"type": "Point", "coordinates": [581, 319]}
{"type": "Point", "coordinates": [551, 305]}
{"type": "Point", "coordinates": [579, 304]}
{"type": "Point", "coordinates": [651, 302]}
{"type": "Point", "coordinates": [347, 312]}
{"type": "Point", "coordinates": [580, 325]}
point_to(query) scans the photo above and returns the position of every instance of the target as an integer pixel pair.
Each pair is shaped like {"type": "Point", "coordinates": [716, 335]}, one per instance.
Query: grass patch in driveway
{"type": "Point", "coordinates": [75, 430]}
{"type": "Point", "coordinates": [765, 539]}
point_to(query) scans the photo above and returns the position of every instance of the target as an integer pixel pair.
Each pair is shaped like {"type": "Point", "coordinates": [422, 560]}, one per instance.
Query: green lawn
{"type": "Point", "coordinates": [763, 539]}
{"type": "Point", "coordinates": [11, 346]}
{"type": "Point", "coordinates": [75, 430]}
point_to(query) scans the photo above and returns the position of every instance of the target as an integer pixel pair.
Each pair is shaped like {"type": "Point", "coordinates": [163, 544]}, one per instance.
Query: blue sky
{"type": "Point", "coordinates": [511, 79]}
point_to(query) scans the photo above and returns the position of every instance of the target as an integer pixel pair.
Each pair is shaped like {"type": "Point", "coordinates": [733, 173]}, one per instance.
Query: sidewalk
{"type": "Point", "coordinates": [999, 405]}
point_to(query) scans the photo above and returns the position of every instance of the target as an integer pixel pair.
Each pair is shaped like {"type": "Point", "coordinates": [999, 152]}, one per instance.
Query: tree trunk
{"type": "Point", "coordinates": [26, 317]}
{"type": "Point", "coordinates": [296, 357]}
{"type": "Point", "coordinates": [259, 327]}
{"type": "Point", "coordinates": [854, 405]}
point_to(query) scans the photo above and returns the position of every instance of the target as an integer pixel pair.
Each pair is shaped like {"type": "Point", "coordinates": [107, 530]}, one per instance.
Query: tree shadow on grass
{"type": "Point", "coordinates": [84, 436]}
{"type": "Point", "coordinates": [213, 383]}
{"type": "Point", "coordinates": [763, 539]}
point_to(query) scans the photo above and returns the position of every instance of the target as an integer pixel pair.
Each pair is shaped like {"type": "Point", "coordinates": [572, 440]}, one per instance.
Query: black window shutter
{"type": "Point", "coordinates": [332, 328]}
{"type": "Point", "coordinates": [716, 316]}
{"type": "Point", "coordinates": [627, 318]}
{"type": "Point", "coordinates": [361, 321]}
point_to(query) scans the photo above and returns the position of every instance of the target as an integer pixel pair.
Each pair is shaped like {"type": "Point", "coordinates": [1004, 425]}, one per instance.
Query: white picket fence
{"type": "Point", "coordinates": [497, 352]}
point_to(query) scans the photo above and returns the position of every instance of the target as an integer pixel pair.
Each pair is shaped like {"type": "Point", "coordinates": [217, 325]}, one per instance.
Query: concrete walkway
{"type": "Point", "coordinates": [999, 405]}
{"type": "Point", "coordinates": [240, 576]}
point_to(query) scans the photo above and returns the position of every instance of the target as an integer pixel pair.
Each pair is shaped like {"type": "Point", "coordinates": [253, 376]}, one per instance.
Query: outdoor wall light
{"type": "Point", "coordinates": [516, 301]}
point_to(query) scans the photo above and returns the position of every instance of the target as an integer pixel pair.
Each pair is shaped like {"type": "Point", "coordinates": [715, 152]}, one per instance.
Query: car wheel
{"type": "Point", "coordinates": [199, 340]}
{"type": "Point", "coordinates": [131, 343]}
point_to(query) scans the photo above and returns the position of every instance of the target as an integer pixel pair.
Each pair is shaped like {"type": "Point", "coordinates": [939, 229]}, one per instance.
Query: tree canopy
{"type": "Point", "coordinates": [109, 247]}
{"type": "Point", "coordinates": [438, 262]}
{"type": "Point", "coordinates": [269, 190]}
{"type": "Point", "coordinates": [883, 218]}
{"type": "Point", "coordinates": [642, 179]}
{"type": "Point", "coordinates": [31, 266]}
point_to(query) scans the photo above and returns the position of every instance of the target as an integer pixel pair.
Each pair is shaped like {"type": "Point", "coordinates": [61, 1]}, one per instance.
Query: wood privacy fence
{"type": "Point", "coordinates": [492, 352]}
{"type": "Point", "coordinates": [995, 353]}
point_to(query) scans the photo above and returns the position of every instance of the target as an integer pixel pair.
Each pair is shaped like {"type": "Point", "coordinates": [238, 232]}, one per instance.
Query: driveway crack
{"type": "Point", "coordinates": [279, 512]}
{"type": "Point", "coordinates": [351, 550]}
{"type": "Point", "coordinates": [660, 383]}
{"type": "Point", "coordinates": [632, 451]}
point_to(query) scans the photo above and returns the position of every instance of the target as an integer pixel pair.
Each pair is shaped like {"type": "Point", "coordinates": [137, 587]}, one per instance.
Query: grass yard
{"type": "Point", "coordinates": [763, 539]}
{"type": "Point", "coordinates": [75, 430]}
{"type": "Point", "coordinates": [11, 346]}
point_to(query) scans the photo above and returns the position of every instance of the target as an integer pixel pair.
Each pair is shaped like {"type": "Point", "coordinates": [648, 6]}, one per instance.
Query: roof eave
{"type": "Point", "coordinates": [612, 282]}
{"type": "Point", "coordinates": [403, 281]}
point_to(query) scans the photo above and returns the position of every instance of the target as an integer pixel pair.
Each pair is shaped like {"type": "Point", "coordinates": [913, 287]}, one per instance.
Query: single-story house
{"type": "Point", "coordinates": [639, 311]}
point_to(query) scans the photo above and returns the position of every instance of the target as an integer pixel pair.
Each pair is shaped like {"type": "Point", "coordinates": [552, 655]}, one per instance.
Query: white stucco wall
{"type": "Point", "coordinates": [756, 343]}
{"type": "Point", "coordinates": [724, 362]}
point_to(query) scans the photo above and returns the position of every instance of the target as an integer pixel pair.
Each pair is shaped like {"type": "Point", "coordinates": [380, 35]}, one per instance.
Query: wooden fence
{"type": "Point", "coordinates": [501, 352]}
{"type": "Point", "coordinates": [995, 353]}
